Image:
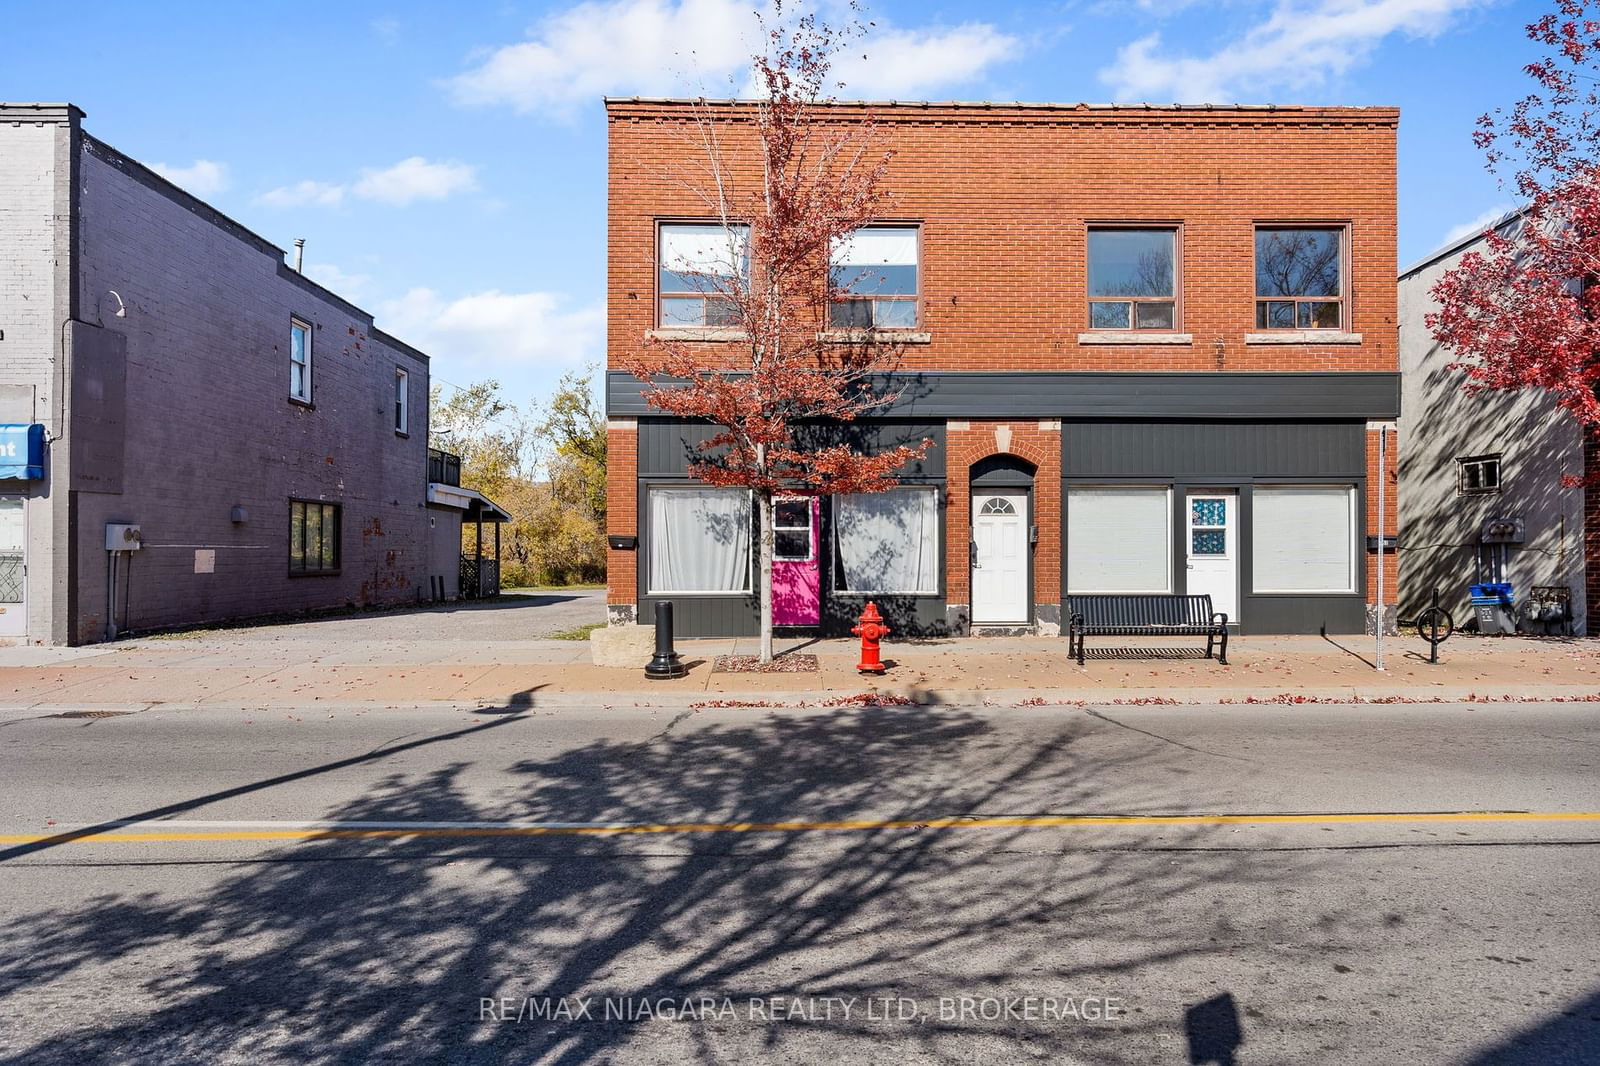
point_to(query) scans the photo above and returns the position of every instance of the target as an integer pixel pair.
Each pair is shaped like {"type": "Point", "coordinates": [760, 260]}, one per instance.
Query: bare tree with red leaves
{"type": "Point", "coordinates": [780, 366]}
{"type": "Point", "coordinates": [1521, 313]}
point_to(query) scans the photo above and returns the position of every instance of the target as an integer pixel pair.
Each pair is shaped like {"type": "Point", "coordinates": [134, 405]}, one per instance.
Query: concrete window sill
{"type": "Point", "coordinates": [690, 333]}
{"type": "Point", "coordinates": [874, 336]}
{"type": "Point", "coordinates": [1134, 337]}
{"type": "Point", "coordinates": [1303, 336]}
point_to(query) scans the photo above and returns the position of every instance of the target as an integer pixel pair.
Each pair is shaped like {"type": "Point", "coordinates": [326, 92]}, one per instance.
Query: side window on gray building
{"type": "Point", "coordinates": [1478, 475]}
{"type": "Point", "coordinates": [313, 537]}
{"type": "Point", "coordinates": [402, 402]}
{"type": "Point", "coordinates": [299, 360]}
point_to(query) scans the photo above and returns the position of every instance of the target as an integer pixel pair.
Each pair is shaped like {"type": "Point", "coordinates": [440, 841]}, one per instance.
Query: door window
{"type": "Point", "coordinates": [791, 531]}
{"type": "Point", "coordinates": [1208, 526]}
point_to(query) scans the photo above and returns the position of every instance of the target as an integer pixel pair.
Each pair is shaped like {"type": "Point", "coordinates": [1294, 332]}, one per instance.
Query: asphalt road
{"type": "Point", "coordinates": [1373, 884]}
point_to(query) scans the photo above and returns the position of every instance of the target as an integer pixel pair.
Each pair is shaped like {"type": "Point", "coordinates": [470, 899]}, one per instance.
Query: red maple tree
{"type": "Point", "coordinates": [1521, 313]}
{"type": "Point", "coordinates": [779, 368]}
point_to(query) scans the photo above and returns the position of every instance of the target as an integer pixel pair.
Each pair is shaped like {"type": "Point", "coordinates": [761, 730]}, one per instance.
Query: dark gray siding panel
{"type": "Point", "coordinates": [1305, 614]}
{"type": "Point", "coordinates": [1325, 396]}
{"type": "Point", "coordinates": [705, 616]}
{"type": "Point", "coordinates": [666, 446]}
{"type": "Point", "coordinates": [1184, 449]}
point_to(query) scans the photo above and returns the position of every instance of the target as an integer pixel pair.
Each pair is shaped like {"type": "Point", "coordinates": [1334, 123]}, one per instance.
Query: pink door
{"type": "Point", "coordinates": [796, 568]}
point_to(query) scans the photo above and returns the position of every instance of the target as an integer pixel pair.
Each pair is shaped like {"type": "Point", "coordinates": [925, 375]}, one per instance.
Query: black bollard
{"type": "Point", "coordinates": [666, 665]}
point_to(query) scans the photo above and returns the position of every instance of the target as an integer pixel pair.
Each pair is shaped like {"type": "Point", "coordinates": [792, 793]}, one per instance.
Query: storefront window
{"type": "Point", "coordinates": [1304, 538]}
{"type": "Point", "coordinates": [699, 540]}
{"type": "Point", "coordinates": [1119, 540]}
{"type": "Point", "coordinates": [888, 542]}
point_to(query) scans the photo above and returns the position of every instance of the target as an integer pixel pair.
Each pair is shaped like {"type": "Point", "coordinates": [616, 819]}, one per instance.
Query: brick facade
{"type": "Point", "coordinates": [178, 418]}
{"type": "Point", "coordinates": [1004, 196]}
{"type": "Point", "coordinates": [1591, 519]}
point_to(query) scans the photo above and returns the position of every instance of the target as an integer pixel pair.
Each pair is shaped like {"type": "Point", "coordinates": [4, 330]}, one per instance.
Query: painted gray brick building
{"type": "Point", "coordinates": [266, 441]}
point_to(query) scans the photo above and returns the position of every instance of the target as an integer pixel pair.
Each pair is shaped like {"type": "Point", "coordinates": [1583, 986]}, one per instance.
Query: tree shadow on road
{"type": "Point", "coordinates": [342, 950]}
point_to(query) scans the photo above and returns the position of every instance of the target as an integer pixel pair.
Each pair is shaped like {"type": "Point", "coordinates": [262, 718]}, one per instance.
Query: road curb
{"type": "Point", "coordinates": [888, 695]}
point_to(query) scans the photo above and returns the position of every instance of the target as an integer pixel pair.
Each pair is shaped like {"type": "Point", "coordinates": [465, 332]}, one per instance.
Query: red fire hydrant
{"type": "Point", "coordinates": [870, 628]}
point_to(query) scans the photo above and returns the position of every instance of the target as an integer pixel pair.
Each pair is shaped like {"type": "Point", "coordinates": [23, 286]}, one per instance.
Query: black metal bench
{"type": "Point", "coordinates": [1145, 616]}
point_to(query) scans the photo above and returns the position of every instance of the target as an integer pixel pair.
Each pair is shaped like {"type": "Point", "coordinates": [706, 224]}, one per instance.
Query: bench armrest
{"type": "Point", "coordinates": [1223, 615]}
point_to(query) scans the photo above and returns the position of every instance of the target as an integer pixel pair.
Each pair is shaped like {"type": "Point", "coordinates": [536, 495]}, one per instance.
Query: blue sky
{"type": "Point", "coordinates": [446, 162]}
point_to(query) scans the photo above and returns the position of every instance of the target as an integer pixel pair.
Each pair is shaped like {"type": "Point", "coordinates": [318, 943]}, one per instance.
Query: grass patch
{"type": "Point", "coordinates": [580, 633]}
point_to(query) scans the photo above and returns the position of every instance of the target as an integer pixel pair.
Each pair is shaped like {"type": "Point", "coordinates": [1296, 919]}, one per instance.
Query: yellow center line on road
{"type": "Point", "coordinates": [435, 830]}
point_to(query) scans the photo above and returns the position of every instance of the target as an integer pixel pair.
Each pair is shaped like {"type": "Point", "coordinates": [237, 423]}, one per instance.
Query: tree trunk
{"type": "Point", "coordinates": [764, 578]}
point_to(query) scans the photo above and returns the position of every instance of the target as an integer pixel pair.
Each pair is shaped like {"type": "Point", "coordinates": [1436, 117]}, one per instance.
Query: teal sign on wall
{"type": "Point", "coordinates": [22, 452]}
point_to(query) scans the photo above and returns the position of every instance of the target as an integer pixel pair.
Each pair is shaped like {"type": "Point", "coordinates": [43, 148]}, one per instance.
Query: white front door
{"type": "Point", "coordinates": [1000, 558]}
{"type": "Point", "coordinates": [1214, 549]}
{"type": "Point", "coordinates": [13, 571]}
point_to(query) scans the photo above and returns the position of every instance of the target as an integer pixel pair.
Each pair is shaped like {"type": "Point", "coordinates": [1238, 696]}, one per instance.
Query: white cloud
{"type": "Point", "coordinates": [302, 193]}
{"type": "Point", "coordinates": [1474, 225]}
{"type": "Point", "coordinates": [386, 29]}
{"type": "Point", "coordinates": [1301, 45]}
{"type": "Point", "coordinates": [656, 47]}
{"type": "Point", "coordinates": [497, 331]}
{"type": "Point", "coordinates": [915, 63]}
{"type": "Point", "coordinates": [406, 182]}
{"type": "Point", "coordinates": [202, 177]}
{"type": "Point", "coordinates": [350, 286]}
{"type": "Point", "coordinates": [415, 179]}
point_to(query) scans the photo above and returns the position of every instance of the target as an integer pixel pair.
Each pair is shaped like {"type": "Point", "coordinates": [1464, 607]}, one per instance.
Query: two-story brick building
{"type": "Point", "coordinates": [1154, 347]}
{"type": "Point", "coordinates": [212, 435]}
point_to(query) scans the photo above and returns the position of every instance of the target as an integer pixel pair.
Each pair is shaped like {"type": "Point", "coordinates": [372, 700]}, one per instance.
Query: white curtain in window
{"type": "Point", "coordinates": [1303, 539]}
{"type": "Point", "coordinates": [703, 249]}
{"type": "Point", "coordinates": [889, 541]}
{"type": "Point", "coordinates": [1119, 540]}
{"type": "Point", "coordinates": [699, 540]}
{"type": "Point", "coordinates": [877, 246]}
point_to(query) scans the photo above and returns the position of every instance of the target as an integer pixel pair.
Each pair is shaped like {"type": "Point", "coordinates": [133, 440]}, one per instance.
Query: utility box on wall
{"type": "Point", "coordinates": [123, 538]}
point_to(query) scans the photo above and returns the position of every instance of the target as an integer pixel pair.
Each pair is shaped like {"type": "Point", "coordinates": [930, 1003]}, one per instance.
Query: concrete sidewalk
{"type": "Point", "coordinates": [219, 671]}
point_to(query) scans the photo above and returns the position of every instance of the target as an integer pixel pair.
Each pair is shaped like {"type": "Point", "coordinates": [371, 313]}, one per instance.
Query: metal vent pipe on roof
{"type": "Point", "coordinates": [299, 254]}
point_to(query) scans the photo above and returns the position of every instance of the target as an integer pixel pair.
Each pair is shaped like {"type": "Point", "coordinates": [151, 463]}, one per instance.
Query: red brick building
{"type": "Point", "coordinates": [1153, 346]}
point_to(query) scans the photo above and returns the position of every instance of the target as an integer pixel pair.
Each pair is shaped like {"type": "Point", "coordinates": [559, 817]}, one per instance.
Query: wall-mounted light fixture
{"type": "Point", "coordinates": [99, 309]}
{"type": "Point", "coordinates": [238, 516]}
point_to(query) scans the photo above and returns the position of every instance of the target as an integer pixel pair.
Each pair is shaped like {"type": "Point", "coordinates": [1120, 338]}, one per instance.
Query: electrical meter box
{"type": "Point", "coordinates": [123, 538]}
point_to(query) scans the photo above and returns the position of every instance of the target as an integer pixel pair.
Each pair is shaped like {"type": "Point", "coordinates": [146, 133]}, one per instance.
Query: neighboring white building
{"type": "Point", "coordinates": [1481, 496]}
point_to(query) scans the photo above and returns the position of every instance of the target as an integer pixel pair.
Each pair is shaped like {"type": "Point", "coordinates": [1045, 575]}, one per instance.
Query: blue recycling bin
{"type": "Point", "coordinates": [1492, 606]}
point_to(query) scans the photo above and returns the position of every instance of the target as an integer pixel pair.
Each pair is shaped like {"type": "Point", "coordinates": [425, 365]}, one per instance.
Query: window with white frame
{"type": "Point", "coordinates": [402, 400]}
{"type": "Point", "coordinates": [887, 542]}
{"type": "Point", "coordinates": [299, 360]}
{"type": "Point", "coordinates": [1119, 539]}
{"type": "Point", "coordinates": [699, 540]}
{"type": "Point", "coordinates": [874, 275]}
{"type": "Point", "coordinates": [1303, 538]}
{"type": "Point", "coordinates": [702, 268]}
{"type": "Point", "coordinates": [791, 530]}
{"type": "Point", "coordinates": [1478, 475]}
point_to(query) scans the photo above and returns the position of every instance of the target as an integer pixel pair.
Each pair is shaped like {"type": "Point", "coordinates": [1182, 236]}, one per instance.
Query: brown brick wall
{"type": "Point", "coordinates": [1004, 194]}
{"type": "Point", "coordinates": [1039, 446]}
{"type": "Point", "coordinates": [622, 509]}
{"type": "Point", "coordinates": [1391, 524]}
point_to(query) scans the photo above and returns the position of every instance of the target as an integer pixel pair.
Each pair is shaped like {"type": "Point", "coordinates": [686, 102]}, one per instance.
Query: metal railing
{"type": "Point", "coordinates": [444, 468]}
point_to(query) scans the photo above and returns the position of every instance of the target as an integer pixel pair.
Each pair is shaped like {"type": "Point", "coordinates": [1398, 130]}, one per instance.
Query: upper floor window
{"type": "Point", "coordinates": [701, 265]}
{"type": "Point", "coordinates": [299, 360]}
{"type": "Point", "coordinates": [402, 401]}
{"type": "Point", "coordinates": [1300, 277]}
{"type": "Point", "coordinates": [1478, 475]}
{"type": "Point", "coordinates": [1133, 278]}
{"type": "Point", "coordinates": [874, 274]}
